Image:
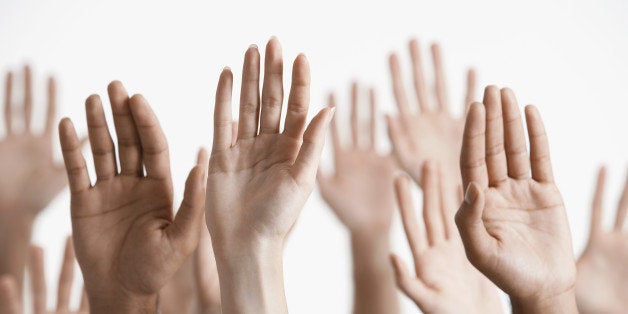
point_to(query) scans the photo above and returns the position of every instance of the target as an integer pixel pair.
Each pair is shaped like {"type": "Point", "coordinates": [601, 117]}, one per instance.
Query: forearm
{"type": "Point", "coordinates": [374, 283]}
{"type": "Point", "coordinates": [251, 278]}
{"type": "Point", "coordinates": [15, 237]}
{"type": "Point", "coordinates": [563, 303]}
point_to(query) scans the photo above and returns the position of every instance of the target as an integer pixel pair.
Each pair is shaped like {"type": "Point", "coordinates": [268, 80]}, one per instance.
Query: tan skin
{"type": "Point", "coordinates": [128, 241]}
{"type": "Point", "coordinates": [424, 127]}
{"type": "Point", "coordinates": [360, 194]}
{"type": "Point", "coordinates": [601, 286]}
{"type": "Point", "coordinates": [513, 222]}
{"type": "Point", "coordinates": [10, 302]}
{"type": "Point", "coordinates": [31, 178]}
{"type": "Point", "coordinates": [194, 288]}
{"type": "Point", "coordinates": [445, 281]}
{"type": "Point", "coordinates": [258, 184]}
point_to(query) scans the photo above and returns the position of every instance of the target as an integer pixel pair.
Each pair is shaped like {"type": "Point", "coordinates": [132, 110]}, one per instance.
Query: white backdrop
{"type": "Point", "coordinates": [568, 57]}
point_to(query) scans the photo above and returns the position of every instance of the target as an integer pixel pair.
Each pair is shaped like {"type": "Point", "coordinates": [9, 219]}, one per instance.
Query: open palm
{"type": "Point", "coordinates": [127, 241]}
{"type": "Point", "coordinates": [258, 182]}
{"type": "Point", "coordinates": [430, 132]}
{"type": "Point", "coordinates": [602, 285]}
{"type": "Point", "coordinates": [360, 190]}
{"type": "Point", "coordinates": [445, 281]}
{"type": "Point", "coordinates": [513, 225]}
{"type": "Point", "coordinates": [30, 176]}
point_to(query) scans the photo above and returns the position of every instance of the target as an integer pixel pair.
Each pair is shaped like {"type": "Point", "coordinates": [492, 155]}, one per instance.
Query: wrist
{"type": "Point", "coordinates": [564, 302]}
{"type": "Point", "coordinates": [370, 252]}
{"type": "Point", "coordinates": [251, 276]}
{"type": "Point", "coordinates": [99, 303]}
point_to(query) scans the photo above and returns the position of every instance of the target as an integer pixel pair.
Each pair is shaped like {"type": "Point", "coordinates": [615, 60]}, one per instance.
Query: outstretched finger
{"type": "Point", "coordinates": [439, 78]}
{"type": "Point", "coordinates": [399, 90]}
{"type": "Point", "coordinates": [471, 85]}
{"type": "Point", "coordinates": [408, 217]}
{"type": "Point", "coordinates": [223, 136]}
{"type": "Point", "coordinates": [9, 296]}
{"type": "Point", "coordinates": [129, 147]}
{"type": "Point", "coordinates": [540, 161]}
{"type": "Point", "coordinates": [272, 91]}
{"type": "Point", "coordinates": [249, 95]}
{"type": "Point", "coordinates": [73, 158]}
{"type": "Point", "coordinates": [417, 75]}
{"type": "Point", "coordinates": [152, 138]}
{"type": "Point", "coordinates": [622, 209]}
{"type": "Point", "coordinates": [355, 119]}
{"type": "Point", "coordinates": [597, 207]}
{"type": "Point", "coordinates": [473, 153]}
{"type": "Point", "coordinates": [66, 277]}
{"type": "Point", "coordinates": [102, 145]}
{"type": "Point", "coordinates": [28, 98]}
{"type": "Point", "coordinates": [306, 165]}
{"type": "Point", "coordinates": [52, 106]}
{"type": "Point", "coordinates": [299, 98]}
{"type": "Point", "coordinates": [514, 137]}
{"type": "Point", "coordinates": [372, 120]}
{"type": "Point", "coordinates": [38, 279]}
{"type": "Point", "coordinates": [8, 94]}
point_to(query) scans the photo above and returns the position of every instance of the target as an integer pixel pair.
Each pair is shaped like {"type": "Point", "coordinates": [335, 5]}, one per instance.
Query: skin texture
{"type": "Point", "coordinates": [10, 302]}
{"type": "Point", "coordinates": [360, 194]}
{"type": "Point", "coordinates": [195, 287]}
{"type": "Point", "coordinates": [30, 176]}
{"type": "Point", "coordinates": [602, 284]}
{"type": "Point", "coordinates": [128, 241]}
{"type": "Point", "coordinates": [258, 184]}
{"type": "Point", "coordinates": [445, 280]}
{"type": "Point", "coordinates": [427, 130]}
{"type": "Point", "coordinates": [512, 221]}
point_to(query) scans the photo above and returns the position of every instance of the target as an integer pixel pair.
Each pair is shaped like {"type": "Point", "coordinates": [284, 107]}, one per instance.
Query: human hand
{"type": "Point", "coordinates": [38, 282]}
{"type": "Point", "coordinates": [445, 281]}
{"type": "Point", "coordinates": [429, 131]}
{"type": "Point", "coordinates": [127, 241]}
{"type": "Point", "coordinates": [360, 190]}
{"type": "Point", "coordinates": [602, 280]}
{"type": "Point", "coordinates": [10, 302]}
{"type": "Point", "coordinates": [30, 176]}
{"type": "Point", "coordinates": [257, 186]}
{"type": "Point", "coordinates": [513, 225]}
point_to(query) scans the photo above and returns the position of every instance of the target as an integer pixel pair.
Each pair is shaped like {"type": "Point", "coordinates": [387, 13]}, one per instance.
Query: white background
{"type": "Point", "coordinates": [568, 57]}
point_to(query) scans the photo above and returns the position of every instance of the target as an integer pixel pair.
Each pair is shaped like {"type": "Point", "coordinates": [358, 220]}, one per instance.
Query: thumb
{"type": "Point", "coordinates": [306, 165]}
{"type": "Point", "coordinates": [477, 242]}
{"type": "Point", "coordinates": [412, 287]}
{"type": "Point", "coordinates": [184, 231]}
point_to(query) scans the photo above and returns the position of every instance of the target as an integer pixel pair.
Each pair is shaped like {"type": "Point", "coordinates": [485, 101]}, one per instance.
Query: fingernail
{"type": "Point", "coordinates": [471, 195]}
{"type": "Point", "coordinates": [254, 46]}
{"type": "Point", "coordinates": [227, 68]}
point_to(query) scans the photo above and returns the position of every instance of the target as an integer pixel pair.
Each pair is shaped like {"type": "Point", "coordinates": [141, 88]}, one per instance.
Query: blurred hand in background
{"type": "Point", "coordinates": [361, 195]}
{"type": "Point", "coordinates": [424, 127]}
{"type": "Point", "coordinates": [10, 301]}
{"type": "Point", "coordinates": [30, 176]}
{"type": "Point", "coordinates": [602, 284]}
{"type": "Point", "coordinates": [444, 280]}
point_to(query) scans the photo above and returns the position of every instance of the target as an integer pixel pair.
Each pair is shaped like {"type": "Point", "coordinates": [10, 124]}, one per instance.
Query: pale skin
{"type": "Point", "coordinates": [31, 178]}
{"type": "Point", "coordinates": [602, 284]}
{"type": "Point", "coordinates": [444, 280]}
{"type": "Point", "coordinates": [128, 242]}
{"type": "Point", "coordinates": [512, 221]}
{"type": "Point", "coordinates": [360, 194]}
{"type": "Point", "coordinates": [194, 288]}
{"type": "Point", "coordinates": [10, 302]}
{"type": "Point", "coordinates": [258, 184]}
{"type": "Point", "coordinates": [424, 128]}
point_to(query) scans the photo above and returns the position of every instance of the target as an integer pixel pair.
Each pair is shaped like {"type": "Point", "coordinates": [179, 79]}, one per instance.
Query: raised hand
{"type": "Point", "coordinates": [360, 189]}
{"type": "Point", "coordinates": [360, 193]}
{"type": "Point", "coordinates": [602, 281]}
{"type": "Point", "coordinates": [38, 282]}
{"type": "Point", "coordinates": [10, 302]}
{"type": "Point", "coordinates": [512, 221]}
{"type": "Point", "coordinates": [30, 176]}
{"type": "Point", "coordinates": [258, 184]}
{"type": "Point", "coordinates": [128, 242]}
{"type": "Point", "coordinates": [427, 130]}
{"type": "Point", "coordinates": [445, 281]}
